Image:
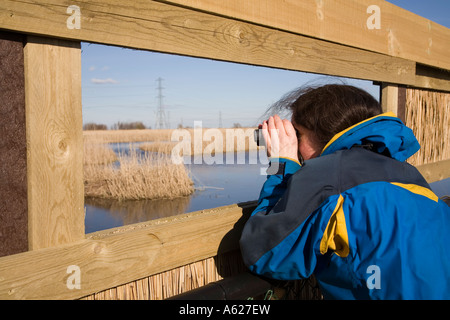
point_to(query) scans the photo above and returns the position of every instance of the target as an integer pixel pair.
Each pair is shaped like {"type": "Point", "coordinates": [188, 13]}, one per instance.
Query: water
{"type": "Point", "coordinates": [216, 185]}
{"type": "Point", "coordinates": [441, 188]}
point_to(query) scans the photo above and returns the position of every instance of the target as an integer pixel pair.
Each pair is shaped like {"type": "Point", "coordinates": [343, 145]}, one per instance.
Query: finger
{"type": "Point", "coordinates": [274, 137]}
{"type": "Point", "coordinates": [272, 129]}
{"type": "Point", "coordinates": [289, 128]}
{"type": "Point", "coordinates": [265, 132]}
{"type": "Point", "coordinates": [279, 125]}
{"type": "Point", "coordinates": [271, 124]}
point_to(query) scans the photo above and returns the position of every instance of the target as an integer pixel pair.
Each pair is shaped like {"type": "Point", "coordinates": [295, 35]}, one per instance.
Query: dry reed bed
{"type": "Point", "coordinates": [172, 282]}
{"type": "Point", "coordinates": [197, 274]}
{"type": "Point", "coordinates": [98, 154]}
{"type": "Point", "coordinates": [215, 140]}
{"type": "Point", "coordinates": [135, 176]}
{"type": "Point", "coordinates": [208, 141]}
{"type": "Point", "coordinates": [110, 136]}
{"type": "Point", "coordinates": [428, 115]}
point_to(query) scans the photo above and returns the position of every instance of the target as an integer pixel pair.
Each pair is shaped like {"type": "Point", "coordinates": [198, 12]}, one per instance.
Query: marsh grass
{"type": "Point", "coordinates": [110, 136]}
{"type": "Point", "coordinates": [136, 176]}
{"type": "Point", "coordinates": [428, 115]}
{"type": "Point", "coordinates": [151, 175]}
{"type": "Point", "coordinates": [98, 154]}
{"type": "Point", "coordinates": [131, 176]}
{"type": "Point", "coordinates": [208, 141]}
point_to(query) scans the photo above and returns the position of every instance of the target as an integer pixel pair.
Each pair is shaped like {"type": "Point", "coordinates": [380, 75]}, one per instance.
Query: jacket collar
{"type": "Point", "coordinates": [385, 132]}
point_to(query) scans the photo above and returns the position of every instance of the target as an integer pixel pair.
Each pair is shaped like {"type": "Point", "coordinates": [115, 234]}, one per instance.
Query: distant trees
{"type": "Point", "coordinates": [94, 126]}
{"type": "Point", "coordinates": [128, 125]}
{"type": "Point", "coordinates": [117, 126]}
{"type": "Point", "coordinates": [133, 126]}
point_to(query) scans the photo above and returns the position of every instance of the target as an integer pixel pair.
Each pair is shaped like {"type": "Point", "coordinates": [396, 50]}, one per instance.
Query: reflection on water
{"type": "Point", "coordinates": [106, 213]}
{"type": "Point", "coordinates": [216, 185]}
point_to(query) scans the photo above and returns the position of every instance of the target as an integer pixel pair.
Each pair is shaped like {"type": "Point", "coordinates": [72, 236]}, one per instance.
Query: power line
{"type": "Point", "coordinates": [161, 119]}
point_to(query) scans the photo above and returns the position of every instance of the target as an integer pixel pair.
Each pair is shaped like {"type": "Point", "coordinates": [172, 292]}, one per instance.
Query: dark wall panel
{"type": "Point", "coordinates": [13, 152]}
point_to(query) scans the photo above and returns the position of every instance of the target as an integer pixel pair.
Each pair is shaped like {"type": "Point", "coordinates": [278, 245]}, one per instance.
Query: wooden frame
{"type": "Point", "coordinates": [393, 99]}
{"type": "Point", "coordinates": [113, 257]}
{"type": "Point", "coordinates": [54, 137]}
{"type": "Point", "coordinates": [264, 32]}
{"type": "Point", "coordinates": [152, 25]}
{"type": "Point", "coordinates": [155, 26]}
{"type": "Point", "coordinates": [400, 33]}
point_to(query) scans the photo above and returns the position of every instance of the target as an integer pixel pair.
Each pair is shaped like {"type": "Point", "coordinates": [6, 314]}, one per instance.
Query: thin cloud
{"type": "Point", "coordinates": [104, 81]}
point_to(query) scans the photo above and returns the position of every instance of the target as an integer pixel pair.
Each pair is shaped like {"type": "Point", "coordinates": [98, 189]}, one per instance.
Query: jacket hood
{"type": "Point", "coordinates": [386, 133]}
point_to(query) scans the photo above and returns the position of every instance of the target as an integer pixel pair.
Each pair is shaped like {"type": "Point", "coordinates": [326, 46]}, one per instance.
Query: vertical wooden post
{"type": "Point", "coordinates": [393, 99]}
{"type": "Point", "coordinates": [54, 142]}
{"type": "Point", "coordinates": [389, 97]}
{"type": "Point", "coordinates": [13, 152]}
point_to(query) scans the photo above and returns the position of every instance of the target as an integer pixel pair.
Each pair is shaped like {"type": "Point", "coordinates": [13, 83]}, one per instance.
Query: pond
{"type": "Point", "coordinates": [216, 185]}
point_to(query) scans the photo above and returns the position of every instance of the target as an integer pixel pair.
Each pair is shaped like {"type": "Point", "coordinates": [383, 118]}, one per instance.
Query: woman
{"type": "Point", "coordinates": [355, 214]}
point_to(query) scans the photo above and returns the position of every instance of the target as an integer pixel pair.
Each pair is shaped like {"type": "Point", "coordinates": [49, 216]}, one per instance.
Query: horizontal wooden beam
{"type": "Point", "coordinates": [117, 256]}
{"type": "Point", "coordinates": [163, 27]}
{"type": "Point", "coordinates": [435, 171]}
{"type": "Point", "coordinates": [374, 25]}
{"type": "Point", "coordinates": [432, 78]}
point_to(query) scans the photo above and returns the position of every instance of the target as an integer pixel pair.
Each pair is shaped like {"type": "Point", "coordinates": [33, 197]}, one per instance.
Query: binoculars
{"type": "Point", "coordinates": [259, 139]}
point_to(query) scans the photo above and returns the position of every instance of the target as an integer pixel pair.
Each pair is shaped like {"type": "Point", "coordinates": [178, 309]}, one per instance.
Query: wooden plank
{"type": "Point", "coordinates": [435, 171]}
{"type": "Point", "coordinates": [389, 97]}
{"type": "Point", "coordinates": [400, 33]}
{"type": "Point", "coordinates": [161, 27]}
{"type": "Point", "coordinates": [118, 256]}
{"type": "Point", "coordinates": [13, 152]}
{"type": "Point", "coordinates": [393, 99]}
{"type": "Point", "coordinates": [432, 78]}
{"type": "Point", "coordinates": [54, 142]}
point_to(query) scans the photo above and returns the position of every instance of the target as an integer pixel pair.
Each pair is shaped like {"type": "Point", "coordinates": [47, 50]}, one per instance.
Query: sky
{"type": "Point", "coordinates": [121, 84]}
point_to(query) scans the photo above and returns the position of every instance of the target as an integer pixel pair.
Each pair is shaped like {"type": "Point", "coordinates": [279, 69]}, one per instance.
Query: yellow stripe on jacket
{"type": "Point", "coordinates": [335, 236]}
{"type": "Point", "coordinates": [418, 190]}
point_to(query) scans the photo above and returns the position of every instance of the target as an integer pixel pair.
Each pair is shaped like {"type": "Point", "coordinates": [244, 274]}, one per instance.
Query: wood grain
{"type": "Point", "coordinates": [401, 34]}
{"type": "Point", "coordinates": [389, 97]}
{"type": "Point", "coordinates": [108, 259]}
{"type": "Point", "coordinates": [54, 124]}
{"type": "Point", "coordinates": [54, 142]}
{"type": "Point", "coordinates": [162, 27]}
{"type": "Point", "coordinates": [435, 171]}
{"type": "Point", "coordinates": [432, 78]}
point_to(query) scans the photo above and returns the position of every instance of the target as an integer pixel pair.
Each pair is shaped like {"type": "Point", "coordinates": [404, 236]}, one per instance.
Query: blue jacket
{"type": "Point", "coordinates": [359, 217]}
